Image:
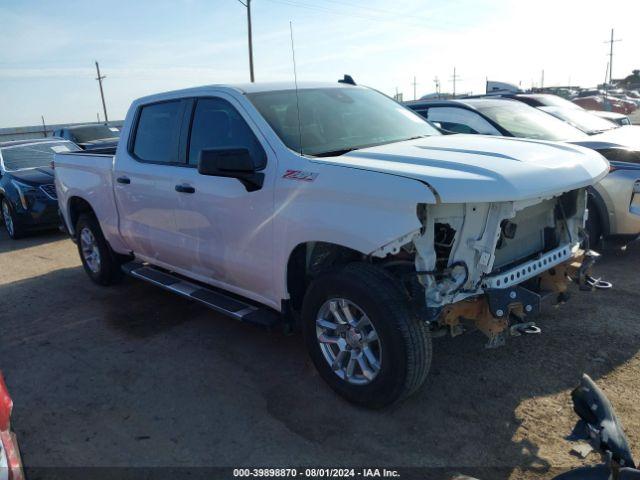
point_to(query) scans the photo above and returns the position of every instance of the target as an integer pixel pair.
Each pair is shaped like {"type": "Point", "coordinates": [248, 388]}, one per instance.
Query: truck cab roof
{"type": "Point", "coordinates": [243, 88]}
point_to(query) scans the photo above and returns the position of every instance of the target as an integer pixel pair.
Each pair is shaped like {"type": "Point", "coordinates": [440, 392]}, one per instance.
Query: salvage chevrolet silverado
{"type": "Point", "coordinates": [334, 206]}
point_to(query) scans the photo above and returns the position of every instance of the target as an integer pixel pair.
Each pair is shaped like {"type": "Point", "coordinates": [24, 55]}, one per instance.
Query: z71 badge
{"type": "Point", "coordinates": [300, 175]}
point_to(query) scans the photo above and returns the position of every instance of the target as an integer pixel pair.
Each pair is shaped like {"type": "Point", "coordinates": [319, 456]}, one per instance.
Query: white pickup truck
{"type": "Point", "coordinates": [333, 206]}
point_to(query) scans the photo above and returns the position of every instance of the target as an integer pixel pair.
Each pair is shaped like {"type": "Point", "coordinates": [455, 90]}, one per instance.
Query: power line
{"type": "Point", "coordinates": [104, 105]}
{"type": "Point", "coordinates": [367, 8]}
{"type": "Point", "coordinates": [611, 42]}
{"type": "Point", "coordinates": [247, 5]}
{"type": "Point", "coordinates": [323, 9]}
{"type": "Point", "coordinates": [454, 79]}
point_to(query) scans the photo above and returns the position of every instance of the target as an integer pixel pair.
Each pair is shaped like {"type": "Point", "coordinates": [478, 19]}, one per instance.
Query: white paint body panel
{"type": "Point", "coordinates": [241, 241]}
{"type": "Point", "coordinates": [475, 168]}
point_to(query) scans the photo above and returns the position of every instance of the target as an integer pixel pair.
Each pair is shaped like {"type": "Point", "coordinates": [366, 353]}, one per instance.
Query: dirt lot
{"type": "Point", "coordinates": [134, 376]}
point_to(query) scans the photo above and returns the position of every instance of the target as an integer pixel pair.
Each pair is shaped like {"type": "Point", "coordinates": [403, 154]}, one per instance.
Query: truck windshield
{"type": "Point", "coordinates": [93, 132]}
{"type": "Point", "coordinates": [333, 121]}
{"type": "Point", "coordinates": [33, 155]}
{"type": "Point", "coordinates": [527, 122]}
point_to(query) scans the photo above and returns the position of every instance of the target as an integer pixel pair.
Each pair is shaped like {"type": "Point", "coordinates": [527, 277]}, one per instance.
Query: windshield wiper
{"type": "Point", "coordinates": [336, 153]}
{"type": "Point", "coordinates": [414, 138]}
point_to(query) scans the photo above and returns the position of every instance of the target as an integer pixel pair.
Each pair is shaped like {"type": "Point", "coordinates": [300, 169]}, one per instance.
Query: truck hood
{"type": "Point", "coordinates": [476, 168]}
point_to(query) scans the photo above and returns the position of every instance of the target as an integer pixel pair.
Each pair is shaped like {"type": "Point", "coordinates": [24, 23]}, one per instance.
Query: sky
{"type": "Point", "coordinates": [48, 48]}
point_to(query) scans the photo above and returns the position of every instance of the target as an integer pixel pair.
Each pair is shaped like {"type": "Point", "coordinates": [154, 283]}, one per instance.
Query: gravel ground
{"type": "Point", "coordinates": [134, 376]}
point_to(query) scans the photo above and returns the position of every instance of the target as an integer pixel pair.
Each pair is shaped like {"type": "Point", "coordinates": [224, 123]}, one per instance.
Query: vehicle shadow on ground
{"type": "Point", "coordinates": [31, 240]}
{"type": "Point", "coordinates": [150, 378]}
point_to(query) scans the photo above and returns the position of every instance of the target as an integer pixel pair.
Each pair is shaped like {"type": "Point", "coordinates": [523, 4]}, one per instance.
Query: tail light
{"type": "Point", "coordinates": [6, 405]}
{"type": "Point", "coordinates": [8, 440]}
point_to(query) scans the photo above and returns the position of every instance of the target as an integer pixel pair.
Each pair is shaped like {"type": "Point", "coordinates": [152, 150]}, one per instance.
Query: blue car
{"type": "Point", "coordinates": [28, 198]}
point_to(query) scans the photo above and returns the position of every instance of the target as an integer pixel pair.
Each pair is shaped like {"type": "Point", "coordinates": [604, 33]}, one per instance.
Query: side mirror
{"type": "Point", "coordinates": [231, 163]}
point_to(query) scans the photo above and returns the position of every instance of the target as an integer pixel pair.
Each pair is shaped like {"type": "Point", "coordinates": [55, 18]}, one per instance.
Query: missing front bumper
{"type": "Point", "coordinates": [500, 312]}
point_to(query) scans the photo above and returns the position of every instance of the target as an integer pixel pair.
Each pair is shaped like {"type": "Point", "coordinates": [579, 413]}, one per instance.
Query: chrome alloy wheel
{"type": "Point", "coordinates": [8, 221]}
{"type": "Point", "coordinates": [90, 251]}
{"type": "Point", "coordinates": [348, 341]}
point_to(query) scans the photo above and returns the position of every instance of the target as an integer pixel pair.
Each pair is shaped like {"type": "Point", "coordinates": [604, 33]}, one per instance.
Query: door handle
{"type": "Point", "coordinates": [185, 189]}
{"type": "Point", "coordinates": [125, 180]}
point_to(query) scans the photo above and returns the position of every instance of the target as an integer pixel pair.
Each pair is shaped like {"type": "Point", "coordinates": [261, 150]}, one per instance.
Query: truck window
{"type": "Point", "coordinates": [217, 124]}
{"type": "Point", "coordinates": [157, 132]}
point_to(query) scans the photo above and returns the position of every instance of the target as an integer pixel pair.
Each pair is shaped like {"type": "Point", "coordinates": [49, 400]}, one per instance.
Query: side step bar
{"type": "Point", "coordinates": [214, 299]}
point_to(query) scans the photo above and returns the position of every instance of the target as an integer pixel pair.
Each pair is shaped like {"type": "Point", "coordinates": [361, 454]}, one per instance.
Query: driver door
{"type": "Point", "coordinates": [224, 231]}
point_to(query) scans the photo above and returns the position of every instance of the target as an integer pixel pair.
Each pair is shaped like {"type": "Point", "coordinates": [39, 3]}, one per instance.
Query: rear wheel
{"type": "Point", "coordinates": [10, 223]}
{"type": "Point", "coordinates": [100, 262]}
{"type": "Point", "coordinates": [363, 337]}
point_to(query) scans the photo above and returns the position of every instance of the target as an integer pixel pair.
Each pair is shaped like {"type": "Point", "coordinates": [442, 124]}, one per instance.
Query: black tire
{"type": "Point", "coordinates": [12, 227]}
{"type": "Point", "coordinates": [404, 340]}
{"type": "Point", "coordinates": [108, 272]}
{"type": "Point", "coordinates": [593, 226]}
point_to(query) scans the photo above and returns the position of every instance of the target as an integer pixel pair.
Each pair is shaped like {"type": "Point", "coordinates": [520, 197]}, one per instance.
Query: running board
{"type": "Point", "coordinates": [214, 299]}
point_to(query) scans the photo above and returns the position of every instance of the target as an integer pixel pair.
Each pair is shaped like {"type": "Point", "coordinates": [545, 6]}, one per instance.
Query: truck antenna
{"type": "Point", "coordinates": [295, 80]}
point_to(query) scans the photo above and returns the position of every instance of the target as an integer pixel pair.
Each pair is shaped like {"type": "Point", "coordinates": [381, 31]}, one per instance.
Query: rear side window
{"type": "Point", "coordinates": [217, 124]}
{"type": "Point", "coordinates": [157, 132]}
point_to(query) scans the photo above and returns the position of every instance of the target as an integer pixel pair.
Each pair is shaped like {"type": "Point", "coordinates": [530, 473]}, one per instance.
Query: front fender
{"type": "Point", "coordinates": [353, 208]}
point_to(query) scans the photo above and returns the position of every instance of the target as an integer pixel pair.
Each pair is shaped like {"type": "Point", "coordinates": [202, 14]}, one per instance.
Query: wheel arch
{"type": "Point", "coordinates": [76, 206]}
{"type": "Point", "coordinates": [311, 258]}
{"type": "Point", "coordinates": [595, 199]}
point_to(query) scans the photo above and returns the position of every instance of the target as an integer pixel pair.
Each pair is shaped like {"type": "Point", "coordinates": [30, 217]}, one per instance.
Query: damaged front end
{"type": "Point", "coordinates": [490, 266]}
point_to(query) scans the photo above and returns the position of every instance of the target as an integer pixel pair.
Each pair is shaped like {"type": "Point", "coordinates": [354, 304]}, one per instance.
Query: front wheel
{"type": "Point", "coordinates": [363, 337]}
{"type": "Point", "coordinates": [99, 261]}
{"type": "Point", "coordinates": [10, 223]}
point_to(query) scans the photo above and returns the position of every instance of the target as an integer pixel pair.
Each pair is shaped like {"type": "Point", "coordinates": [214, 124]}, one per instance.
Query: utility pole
{"type": "Point", "coordinates": [104, 105]}
{"type": "Point", "coordinates": [436, 82]}
{"type": "Point", "coordinates": [44, 127]}
{"type": "Point", "coordinates": [247, 5]}
{"type": "Point", "coordinates": [454, 78]}
{"type": "Point", "coordinates": [542, 80]}
{"type": "Point", "coordinates": [414, 87]}
{"type": "Point", "coordinates": [611, 42]}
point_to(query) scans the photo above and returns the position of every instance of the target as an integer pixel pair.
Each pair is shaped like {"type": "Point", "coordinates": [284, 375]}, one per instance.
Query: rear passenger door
{"type": "Point", "coordinates": [145, 178]}
{"type": "Point", "coordinates": [225, 232]}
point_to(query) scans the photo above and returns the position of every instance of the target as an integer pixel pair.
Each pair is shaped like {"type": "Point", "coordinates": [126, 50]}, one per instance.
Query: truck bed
{"type": "Point", "coordinates": [82, 176]}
